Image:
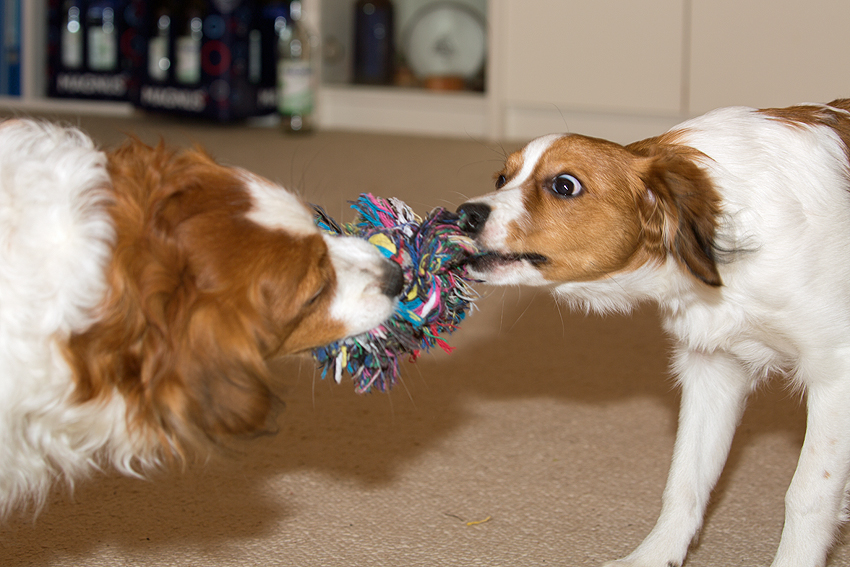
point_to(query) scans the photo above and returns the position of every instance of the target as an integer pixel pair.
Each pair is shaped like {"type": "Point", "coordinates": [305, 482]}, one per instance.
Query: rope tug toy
{"type": "Point", "coordinates": [436, 297]}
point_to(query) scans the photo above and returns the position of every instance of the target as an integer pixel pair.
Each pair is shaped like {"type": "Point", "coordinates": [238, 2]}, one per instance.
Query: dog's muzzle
{"type": "Point", "coordinates": [472, 218]}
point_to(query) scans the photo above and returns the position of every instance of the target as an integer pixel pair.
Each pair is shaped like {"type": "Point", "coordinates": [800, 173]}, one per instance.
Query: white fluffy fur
{"type": "Point", "coordinates": [359, 300]}
{"type": "Point", "coordinates": [55, 240]}
{"type": "Point", "coordinates": [784, 307]}
{"type": "Point", "coordinates": [278, 209]}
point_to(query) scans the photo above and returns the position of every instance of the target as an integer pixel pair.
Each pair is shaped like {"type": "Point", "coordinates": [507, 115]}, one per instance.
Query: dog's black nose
{"type": "Point", "coordinates": [393, 280]}
{"type": "Point", "coordinates": [472, 217]}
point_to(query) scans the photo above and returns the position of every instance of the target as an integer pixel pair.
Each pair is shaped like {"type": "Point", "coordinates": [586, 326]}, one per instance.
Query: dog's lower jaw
{"type": "Point", "coordinates": [509, 274]}
{"type": "Point", "coordinates": [498, 268]}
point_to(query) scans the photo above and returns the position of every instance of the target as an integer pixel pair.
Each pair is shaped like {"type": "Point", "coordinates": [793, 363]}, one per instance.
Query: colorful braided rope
{"type": "Point", "coordinates": [436, 298]}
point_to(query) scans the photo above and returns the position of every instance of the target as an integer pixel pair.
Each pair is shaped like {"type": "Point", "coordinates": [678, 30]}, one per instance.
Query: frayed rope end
{"type": "Point", "coordinates": [436, 298]}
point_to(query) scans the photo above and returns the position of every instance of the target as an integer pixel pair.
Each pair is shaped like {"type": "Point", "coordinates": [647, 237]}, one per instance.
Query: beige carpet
{"type": "Point", "coordinates": [543, 440]}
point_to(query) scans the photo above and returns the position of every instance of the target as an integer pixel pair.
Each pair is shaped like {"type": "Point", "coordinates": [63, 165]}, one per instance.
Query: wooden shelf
{"type": "Point", "coordinates": [65, 106]}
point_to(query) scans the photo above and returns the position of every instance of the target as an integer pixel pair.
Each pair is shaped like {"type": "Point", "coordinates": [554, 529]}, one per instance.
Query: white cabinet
{"type": "Point", "coordinates": [768, 53]}
{"type": "Point", "coordinates": [608, 68]}
{"type": "Point", "coordinates": [600, 55]}
{"type": "Point", "coordinates": [395, 109]}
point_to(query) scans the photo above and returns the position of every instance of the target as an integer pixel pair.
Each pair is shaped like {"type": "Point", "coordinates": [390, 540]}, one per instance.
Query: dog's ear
{"type": "Point", "coordinates": [190, 370]}
{"type": "Point", "coordinates": [681, 206]}
{"type": "Point", "coordinates": [225, 374]}
{"type": "Point", "coordinates": [207, 376]}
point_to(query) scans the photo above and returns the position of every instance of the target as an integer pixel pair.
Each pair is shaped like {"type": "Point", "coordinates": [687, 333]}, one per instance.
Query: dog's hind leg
{"type": "Point", "coordinates": [714, 392]}
{"type": "Point", "coordinates": [815, 501]}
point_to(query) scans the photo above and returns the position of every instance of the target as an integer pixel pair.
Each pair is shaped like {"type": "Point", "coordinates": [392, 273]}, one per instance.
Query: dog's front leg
{"type": "Point", "coordinates": [714, 392]}
{"type": "Point", "coordinates": [815, 501]}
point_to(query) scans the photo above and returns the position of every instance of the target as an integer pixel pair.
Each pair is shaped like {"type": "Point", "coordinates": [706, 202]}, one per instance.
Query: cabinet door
{"type": "Point", "coordinates": [768, 52]}
{"type": "Point", "coordinates": [593, 54]}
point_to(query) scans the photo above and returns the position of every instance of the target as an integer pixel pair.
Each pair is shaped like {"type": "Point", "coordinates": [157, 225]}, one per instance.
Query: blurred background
{"type": "Point", "coordinates": [489, 69]}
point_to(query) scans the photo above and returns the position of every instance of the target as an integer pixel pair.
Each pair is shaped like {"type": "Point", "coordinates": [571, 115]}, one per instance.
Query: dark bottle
{"type": "Point", "coordinates": [374, 42]}
{"type": "Point", "coordinates": [272, 18]}
{"type": "Point", "coordinates": [187, 44]}
{"type": "Point", "coordinates": [71, 46]}
{"type": "Point", "coordinates": [159, 43]}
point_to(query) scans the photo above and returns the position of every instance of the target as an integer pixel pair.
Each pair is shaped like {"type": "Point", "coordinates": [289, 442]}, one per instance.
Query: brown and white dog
{"type": "Point", "coordinates": [737, 224]}
{"type": "Point", "coordinates": [142, 292]}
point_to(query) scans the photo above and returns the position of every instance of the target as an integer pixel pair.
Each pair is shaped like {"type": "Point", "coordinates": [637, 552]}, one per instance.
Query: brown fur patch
{"type": "Point", "coordinates": [200, 297]}
{"type": "Point", "coordinates": [684, 208]}
{"type": "Point", "coordinates": [590, 235]}
{"type": "Point", "coordinates": [814, 115]}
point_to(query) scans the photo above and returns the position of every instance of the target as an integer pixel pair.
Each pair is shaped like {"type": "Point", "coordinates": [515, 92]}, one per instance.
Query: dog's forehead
{"type": "Point", "coordinates": [549, 156]}
{"type": "Point", "coordinates": [579, 154]}
{"type": "Point", "coordinates": [521, 165]}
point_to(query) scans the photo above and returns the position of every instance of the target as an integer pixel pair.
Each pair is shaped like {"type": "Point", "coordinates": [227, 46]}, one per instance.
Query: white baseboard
{"type": "Point", "coordinates": [402, 111]}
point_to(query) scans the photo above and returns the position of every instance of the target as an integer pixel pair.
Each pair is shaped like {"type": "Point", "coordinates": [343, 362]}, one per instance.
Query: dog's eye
{"type": "Point", "coordinates": [566, 185]}
{"type": "Point", "coordinates": [316, 296]}
{"type": "Point", "coordinates": [500, 181]}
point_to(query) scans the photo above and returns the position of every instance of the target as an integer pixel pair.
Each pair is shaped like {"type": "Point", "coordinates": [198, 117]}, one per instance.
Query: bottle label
{"type": "Point", "coordinates": [158, 62]}
{"type": "Point", "coordinates": [295, 87]}
{"type": "Point", "coordinates": [72, 46]}
{"type": "Point", "coordinates": [103, 50]}
{"type": "Point", "coordinates": [187, 67]}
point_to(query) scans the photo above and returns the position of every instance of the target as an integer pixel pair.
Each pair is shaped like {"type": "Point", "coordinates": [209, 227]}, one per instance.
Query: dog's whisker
{"type": "Point", "coordinates": [524, 311]}
{"type": "Point", "coordinates": [561, 315]}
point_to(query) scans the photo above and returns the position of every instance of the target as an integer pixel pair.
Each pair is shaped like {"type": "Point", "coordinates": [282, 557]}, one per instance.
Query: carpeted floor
{"type": "Point", "coordinates": [544, 439]}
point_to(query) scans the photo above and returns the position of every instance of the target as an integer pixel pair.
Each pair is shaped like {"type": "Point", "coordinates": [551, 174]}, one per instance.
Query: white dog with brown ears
{"type": "Point", "coordinates": [142, 291]}
{"type": "Point", "coordinates": [737, 224]}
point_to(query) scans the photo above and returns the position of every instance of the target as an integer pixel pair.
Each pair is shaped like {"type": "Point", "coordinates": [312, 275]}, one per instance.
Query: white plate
{"type": "Point", "coordinates": [446, 39]}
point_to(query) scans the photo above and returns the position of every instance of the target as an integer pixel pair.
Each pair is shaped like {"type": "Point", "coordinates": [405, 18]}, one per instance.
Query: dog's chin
{"type": "Point", "coordinates": [498, 268]}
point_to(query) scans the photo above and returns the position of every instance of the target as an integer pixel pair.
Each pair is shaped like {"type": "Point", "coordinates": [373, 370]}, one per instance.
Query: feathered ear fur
{"type": "Point", "coordinates": [196, 375]}
{"type": "Point", "coordinates": [213, 376]}
{"type": "Point", "coordinates": [681, 206]}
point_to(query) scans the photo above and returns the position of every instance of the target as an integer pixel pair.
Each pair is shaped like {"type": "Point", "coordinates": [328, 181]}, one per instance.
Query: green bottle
{"type": "Point", "coordinates": [296, 73]}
